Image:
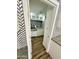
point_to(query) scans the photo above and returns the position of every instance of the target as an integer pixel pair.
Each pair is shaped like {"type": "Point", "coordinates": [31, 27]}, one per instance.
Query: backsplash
{"type": "Point", "coordinates": [36, 23]}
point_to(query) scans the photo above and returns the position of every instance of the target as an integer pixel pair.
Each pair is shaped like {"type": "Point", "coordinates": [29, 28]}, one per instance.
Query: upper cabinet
{"type": "Point", "coordinates": [38, 17]}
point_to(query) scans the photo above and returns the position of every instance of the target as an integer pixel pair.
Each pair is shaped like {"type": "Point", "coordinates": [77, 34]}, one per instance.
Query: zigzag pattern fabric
{"type": "Point", "coordinates": [21, 32]}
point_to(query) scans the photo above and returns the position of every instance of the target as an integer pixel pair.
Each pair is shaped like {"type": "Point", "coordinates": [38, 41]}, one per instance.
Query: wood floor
{"type": "Point", "coordinates": [38, 51]}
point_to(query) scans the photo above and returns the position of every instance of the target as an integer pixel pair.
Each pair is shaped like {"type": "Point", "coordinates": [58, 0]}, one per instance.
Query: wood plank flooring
{"type": "Point", "coordinates": [38, 50]}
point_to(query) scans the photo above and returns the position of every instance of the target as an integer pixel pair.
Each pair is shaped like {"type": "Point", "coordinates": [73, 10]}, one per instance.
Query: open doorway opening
{"type": "Point", "coordinates": [37, 17]}
{"type": "Point", "coordinates": [41, 26]}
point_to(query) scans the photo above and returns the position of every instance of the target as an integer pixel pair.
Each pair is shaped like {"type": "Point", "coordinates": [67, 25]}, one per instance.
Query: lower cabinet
{"type": "Point", "coordinates": [38, 32]}
{"type": "Point", "coordinates": [55, 50]}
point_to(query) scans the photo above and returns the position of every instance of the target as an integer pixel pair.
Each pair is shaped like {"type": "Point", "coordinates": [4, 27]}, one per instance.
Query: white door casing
{"type": "Point", "coordinates": [49, 31]}
{"type": "Point", "coordinates": [27, 26]}
{"type": "Point", "coordinates": [50, 22]}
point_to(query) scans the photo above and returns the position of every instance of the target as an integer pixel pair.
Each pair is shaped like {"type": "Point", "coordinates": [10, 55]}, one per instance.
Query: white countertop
{"type": "Point", "coordinates": [57, 39]}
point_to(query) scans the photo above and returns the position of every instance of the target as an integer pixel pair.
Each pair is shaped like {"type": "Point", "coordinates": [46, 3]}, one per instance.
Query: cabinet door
{"type": "Point", "coordinates": [52, 10]}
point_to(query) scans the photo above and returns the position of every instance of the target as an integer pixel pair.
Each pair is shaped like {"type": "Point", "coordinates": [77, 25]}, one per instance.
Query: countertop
{"type": "Point", "coordinates": [57, 39]}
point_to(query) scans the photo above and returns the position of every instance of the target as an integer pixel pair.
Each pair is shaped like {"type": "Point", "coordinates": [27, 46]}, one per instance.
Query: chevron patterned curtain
{"type": "Point", "coordinates": [21, 32]}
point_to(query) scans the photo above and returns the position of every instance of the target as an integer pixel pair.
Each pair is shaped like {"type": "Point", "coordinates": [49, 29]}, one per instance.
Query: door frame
{"type": "Point", "coordinates": [26, 9]}
{"type": "Point", "coordinates": [55, 4]}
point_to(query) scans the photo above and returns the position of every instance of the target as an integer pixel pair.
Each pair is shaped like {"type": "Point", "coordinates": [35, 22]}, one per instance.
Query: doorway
{"type": "Point", "coordinates": [42, 18]}
{"type": "Point", "coordinates": [38, 11]}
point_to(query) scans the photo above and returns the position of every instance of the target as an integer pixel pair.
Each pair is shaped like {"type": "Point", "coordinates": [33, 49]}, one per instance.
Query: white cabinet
{"type": "Point", "coordinates": [38, 17]}
{"type": "Point", "coordinates": [38, 32]}
{"type": "Point", "coordinates": [55, 50]}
